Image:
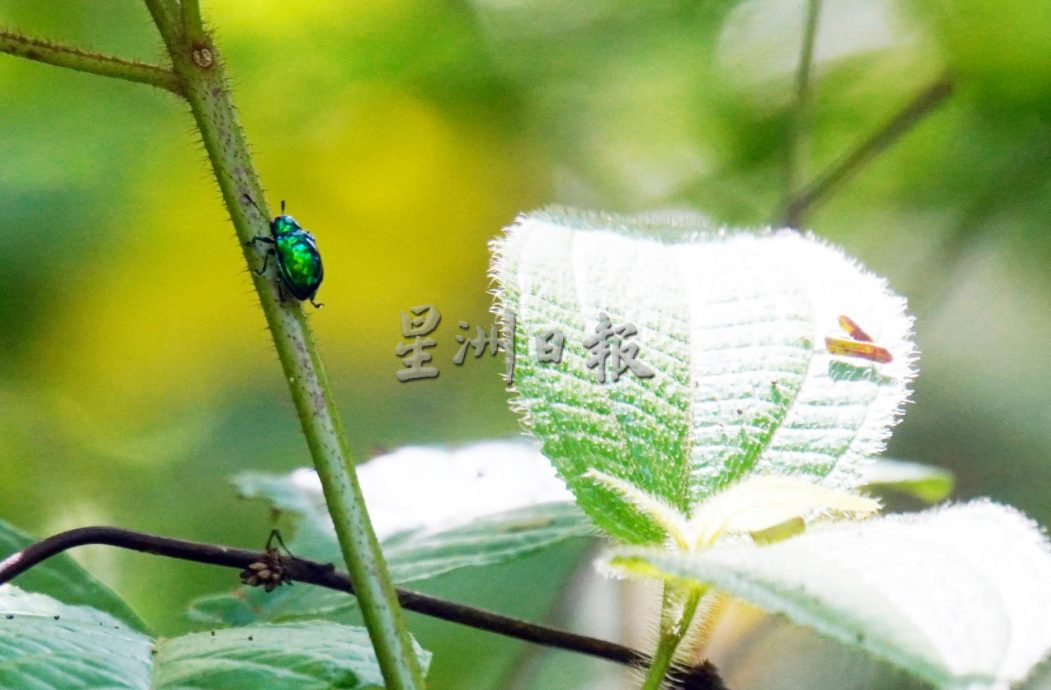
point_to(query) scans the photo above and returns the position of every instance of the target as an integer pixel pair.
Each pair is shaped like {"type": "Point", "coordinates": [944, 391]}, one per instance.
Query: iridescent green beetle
{"type": "Point", "coordinates": [298, 259]}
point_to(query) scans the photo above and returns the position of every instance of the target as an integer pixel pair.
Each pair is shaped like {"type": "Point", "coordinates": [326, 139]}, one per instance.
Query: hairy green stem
{"type": "Point", "coordinates": [197, 75]}
{"type": "Point", "coordinates": [799, 128]}
{"type": "Point", "coordinates": [192, 26]}
{"type": "Point", "coordinates": [200, 71]}
{"type": "Point", "coordinates": [678, 607]}
{"type": "Point", "coordinates": [85, 61]}
{"type": "Point", "coordinates": [165, 16]}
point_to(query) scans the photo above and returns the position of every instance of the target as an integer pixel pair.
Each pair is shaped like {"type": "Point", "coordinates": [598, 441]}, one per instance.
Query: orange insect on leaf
{"type": "Point", "coordinates": [850, 326]}
{"type": "Point", "coordinates": [853, 348]}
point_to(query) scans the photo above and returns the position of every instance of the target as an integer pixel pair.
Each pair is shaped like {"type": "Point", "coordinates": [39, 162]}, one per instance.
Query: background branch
{"type": "Point", "coordinates": [702, 677]}
{"type": "Point", "coordinates": [60, 55]}
{"type": "Point", "coordinates": [799, 126]}
{"type": "Point", "coordinates": [900, 124]}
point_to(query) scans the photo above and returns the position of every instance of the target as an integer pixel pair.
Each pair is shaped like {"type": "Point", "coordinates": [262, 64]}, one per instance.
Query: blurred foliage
{"type": "Point", "coordinates": [135, 371]}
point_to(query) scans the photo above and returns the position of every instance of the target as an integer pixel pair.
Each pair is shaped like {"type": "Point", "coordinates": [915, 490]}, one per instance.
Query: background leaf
{"type": "Point", "coordinates": [422, 554]}
{"type": "Point", "coordinates": [435, 511]}
{"type": "Point", "coordinates": [314, 655]}
{"type": "Point", "coordinates": [733, 324]}
{"type": "Point", "coordinates": [957, 596]}
{"type": "Point", "coordinates": [927, 483]}
{"type": "Point", "coordinates": [411, 556]}
{"type": "Point", "coordinates": [46, 644]}
{"type": "Point", "coordinates": [248, 605]}
{"type": "Point", "coordinates": [60, 577]}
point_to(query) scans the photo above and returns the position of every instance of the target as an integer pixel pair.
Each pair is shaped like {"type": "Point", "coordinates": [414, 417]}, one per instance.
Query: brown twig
{"type": "Point", "coordinates": [702, 677]}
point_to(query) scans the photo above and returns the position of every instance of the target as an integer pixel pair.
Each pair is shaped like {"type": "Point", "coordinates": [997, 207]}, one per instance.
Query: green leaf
{"type": "Point", "coordinates": [315, 655]}
{"type": "Point", "coordinates": [733, 324]}
{"type": "Point", "coordinates": [298, 496]}
{"type": "Point", "coordinates": [422, 554]}
{"type": "Point", "coordinates": [927, 483]}
{"type": "Point", "coordinates": [958, 596]}
{"type": "Point", "coordinates": [48, 645]}
{"type": "Point", "coordinates": [411, 556]}
{"type": "Point", "coordinates": [248, 605]}
{"type": "Point", "coordinates": [435, 511]}
{"type": "Point", "coordinates": [61, 578]}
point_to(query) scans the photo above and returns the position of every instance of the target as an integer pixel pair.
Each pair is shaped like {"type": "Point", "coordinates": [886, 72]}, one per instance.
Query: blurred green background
{"type": "Point", "coordinates": [135, 370]}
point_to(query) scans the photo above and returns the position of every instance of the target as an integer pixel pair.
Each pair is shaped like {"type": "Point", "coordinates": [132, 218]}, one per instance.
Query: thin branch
{"type": "Point", "coordinates": [83, 61]}
{"type": "Point", "coordinates": [702, 677]}
{"type": "Point", "coordinates": [799, 127]}
{"type": "Point", "coordinates": [923, 104]}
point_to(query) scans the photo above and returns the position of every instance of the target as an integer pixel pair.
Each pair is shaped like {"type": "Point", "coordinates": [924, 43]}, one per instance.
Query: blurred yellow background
{"type": "Point", "coordinates": [135, 370]}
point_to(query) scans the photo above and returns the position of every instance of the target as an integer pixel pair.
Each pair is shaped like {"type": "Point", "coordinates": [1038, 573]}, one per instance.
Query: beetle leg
{"type": "Point", "coordinates": [266, 261]}
{"type": "Point", "coordinates": [317, 305]}
{"type": "Point", "coordinates": [281, 291]}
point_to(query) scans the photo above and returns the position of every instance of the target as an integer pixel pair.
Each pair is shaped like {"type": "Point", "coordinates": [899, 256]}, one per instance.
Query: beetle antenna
{"type": "Point", "coordinates": [282, 207]}
{"type": "Point", "coordinates": [252, 202]}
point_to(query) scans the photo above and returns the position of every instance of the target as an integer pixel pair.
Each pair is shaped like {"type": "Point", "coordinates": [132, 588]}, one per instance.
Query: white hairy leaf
{"type": "Point", "coordinates": [959, 596]}
{"type": "Point", "coordinates": [732, 324]}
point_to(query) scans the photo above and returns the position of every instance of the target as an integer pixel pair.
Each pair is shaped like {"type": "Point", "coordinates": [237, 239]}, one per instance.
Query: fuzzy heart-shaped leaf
{"type": "Point", "coordinates": [754, 370]}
